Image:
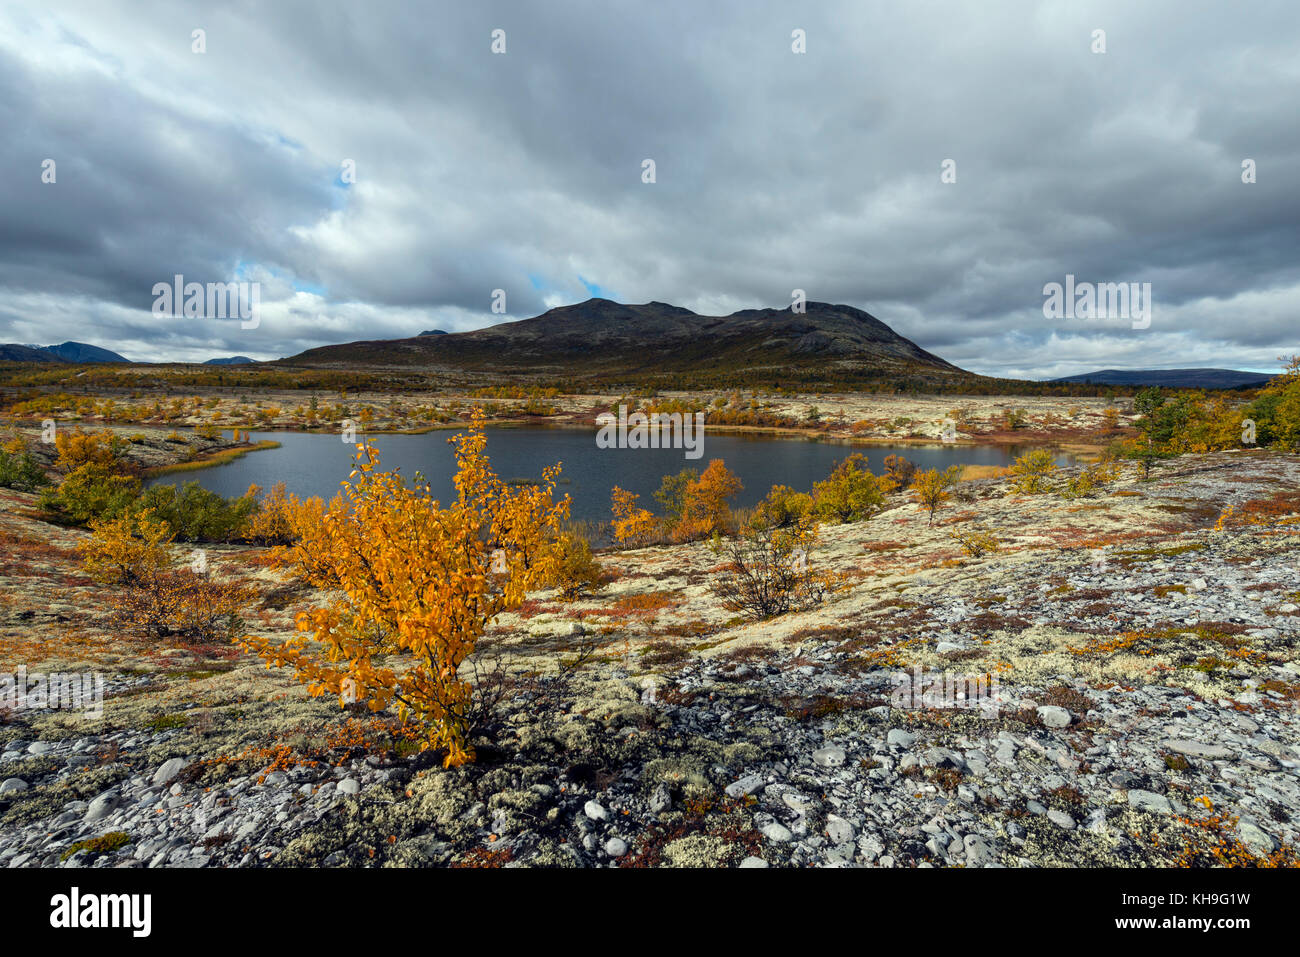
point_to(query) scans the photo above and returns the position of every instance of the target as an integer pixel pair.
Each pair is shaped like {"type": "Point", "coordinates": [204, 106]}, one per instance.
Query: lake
{"type": "Point", "coordinates": [314, 463]}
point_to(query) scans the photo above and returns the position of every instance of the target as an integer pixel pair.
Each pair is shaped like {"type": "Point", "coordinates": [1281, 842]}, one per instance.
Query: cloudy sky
{"type": "Point", "coordinates": [774, 170]}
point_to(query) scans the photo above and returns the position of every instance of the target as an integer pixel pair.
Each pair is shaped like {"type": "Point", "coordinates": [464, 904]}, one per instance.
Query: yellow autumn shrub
{"type": "Point", "coordinates": [633, 525]}
{"type": "Point", "coordinates": [413, 584]}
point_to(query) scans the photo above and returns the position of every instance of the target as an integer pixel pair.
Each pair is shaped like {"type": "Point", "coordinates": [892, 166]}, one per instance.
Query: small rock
{"type": "Point", "coordinates": [101, 807]}
{"type": "Point", "coordinates": [348, 786]}
{"type": "Point", "coordinates": [615, 847]}
{"type": "Point", "coordinates": [1061, 819]}
{"type": "Point", "coordinates": [897, 737]}
{"type": "Point", "coordinates": [13, 784]}
{"type": "Point", "coordinates": [838, 830]}
{"type": "Point", "coordinates": [978, 852]}
{"type": "Point", "coordinates": [661, 799]}
{"type": "Point", "coordinates": [753, 862]}
{"type": "Point", "coordinates": [1258, 840]}
{"type": "Point", "coordinates": [1196, 749]}
{"type": "Point", "coordinates": [1149, 801]}
{"type": "Point", "coordinates": [594, 811]}
{"type": "Point", "coordinates": [777, 833]}
{"type": "Point", "coordinates": [828, 757]}
{"type": "Point", "coordinates": [801, 804]}
{"type": "Point", "coordinates": [746, 785]}
{"type": "Point", "coordinates": [168, 771]}
{"type": "Point", "coordinates": [1053, 717]}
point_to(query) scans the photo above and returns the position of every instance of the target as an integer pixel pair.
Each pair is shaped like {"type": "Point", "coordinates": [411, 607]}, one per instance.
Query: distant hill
{"type": "Point", "coordinates": [230, 361]}
{"type": "Point", "coordinates": [64, 352]}
{"type": "Point", "coordinates": [1173, 378]}
{"type": "Point", "coordinates": [435, 332]}
{"type": "Point", "coordinates": [13, 352]}
{"type": "Point", "coordinates": [600, 338]}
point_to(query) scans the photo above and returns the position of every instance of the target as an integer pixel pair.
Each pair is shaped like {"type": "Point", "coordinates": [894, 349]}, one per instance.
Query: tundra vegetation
{"type": "Point", "coordinates": [401, 605]}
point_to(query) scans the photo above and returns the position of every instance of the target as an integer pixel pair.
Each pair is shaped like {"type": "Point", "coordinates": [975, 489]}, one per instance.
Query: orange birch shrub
{"type": "Point", "coordinates": [79, 447]}
{"type": "Point", "coordinates": [704, 503]}
{"type": "Point", "coordinates": [632, 525]}
{"type": "Point", "coordinates": [932, 488]}
{"type": "Point", "coordinates": [126, 550]}
{"type": "Point", "coordinates": [414, 585]}
{"type": "Point", "coordinates": [155, 600]}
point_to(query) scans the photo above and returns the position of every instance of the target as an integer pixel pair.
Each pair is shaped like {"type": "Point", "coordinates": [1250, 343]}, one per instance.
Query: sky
{"type": "Point", "coordinates": [379, 170]}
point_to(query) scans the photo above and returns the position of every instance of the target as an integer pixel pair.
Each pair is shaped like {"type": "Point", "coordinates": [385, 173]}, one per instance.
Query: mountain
{"type": "Point", "coordinates": [230, 361]}
{"type": "Point", "coordinates": [83, 352]}
{"type": "Point", "coordinates": [600, 338]}
{"type": "Point", "coordinates": [1173, 378]}
{"type": "Point", "coordinates": [77, 352]}
{"type": "Point", "coordinates": [13, 352]}
{"type": "Point", "coordinates": [435, 332]}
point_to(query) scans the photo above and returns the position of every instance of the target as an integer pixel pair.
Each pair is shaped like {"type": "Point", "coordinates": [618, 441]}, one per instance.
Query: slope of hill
{"type": "Point", "coordinates": [70, 351]}
{"type": "Point", "coordinates": [1173, 378]}
{"type": "Point", "coordinates": [600, 338]}
{"type": "Point", "coordinates": [13, 352]}
{"type": "Point", "coordinates": [83, 352]}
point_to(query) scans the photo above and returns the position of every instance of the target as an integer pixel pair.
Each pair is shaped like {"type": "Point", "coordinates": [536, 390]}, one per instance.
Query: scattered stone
{"type": "Point", "coordinates": [1061, 819]}
{"type": "Point", "coordinates": [168, 771]}
{"type": "Point", "coordinates": [1053, 717]}
{"type": "Point", "coordinates": [1196, 749]}
{"type": "Point", "coordinates": [777, 833]}
{"type": "Point", "coordinates": [749, 784]}
{"type": "Point", "coordinates": [1148, 801]}
{"type": "Point", "coordinates": [829, 757]}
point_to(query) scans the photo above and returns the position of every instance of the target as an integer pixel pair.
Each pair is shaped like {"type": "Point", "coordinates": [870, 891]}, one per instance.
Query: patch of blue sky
{"type": "Point", "coordinates": [596, 290]}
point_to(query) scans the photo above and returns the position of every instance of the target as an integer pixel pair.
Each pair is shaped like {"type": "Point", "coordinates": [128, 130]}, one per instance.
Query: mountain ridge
{"type": "Point", "coordinates": [600, 336]}
{"type": "Point", "coordinates": [70, 351]}
{"type": "Point", "coordinates": [1173, 378]}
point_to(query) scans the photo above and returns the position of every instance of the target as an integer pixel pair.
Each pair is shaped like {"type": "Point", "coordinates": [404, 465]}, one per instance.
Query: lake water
{"type": "Point", "coordinates": [314, 463]}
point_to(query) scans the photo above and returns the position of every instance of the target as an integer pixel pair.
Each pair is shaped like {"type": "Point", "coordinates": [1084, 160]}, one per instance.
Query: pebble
{"type": "Point", "coordinates": [749, 784]}
{"type": "Point", "coordinates": [1149, 801]}
{"type": "Point", "coordinates": [1061, 819]}
{"type": "Point", "coordinates": [829, 757]}
{"type": "Point", "coordinates": [1053, 717]}
{"type": "Point", "coordinates": [168, 771]}
{"type": "Point", "coordinates": [778, 833]}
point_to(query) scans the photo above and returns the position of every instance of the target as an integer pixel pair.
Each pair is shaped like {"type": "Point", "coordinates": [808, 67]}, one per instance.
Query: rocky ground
{"type": "Point", "coordinates": [1138, 647]}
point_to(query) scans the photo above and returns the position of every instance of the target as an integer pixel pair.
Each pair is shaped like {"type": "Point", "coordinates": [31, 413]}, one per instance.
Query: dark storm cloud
{"type": "Point", "coordinates": [775, 171]}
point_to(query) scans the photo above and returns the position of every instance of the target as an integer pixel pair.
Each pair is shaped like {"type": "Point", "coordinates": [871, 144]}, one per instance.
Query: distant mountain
{"type": "Point", "coordinates": [64, 352]}
{"type": "Point", "coordinates": [609, 339]}
{"type": "Point", "coordinates": [230, 361]}
{"type": "Point", "coordinates": [13, 352]}
{"type": "Point", "coordinates": [435, 332]}
{"type": "Point", "coordinates": [1173, 378]}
